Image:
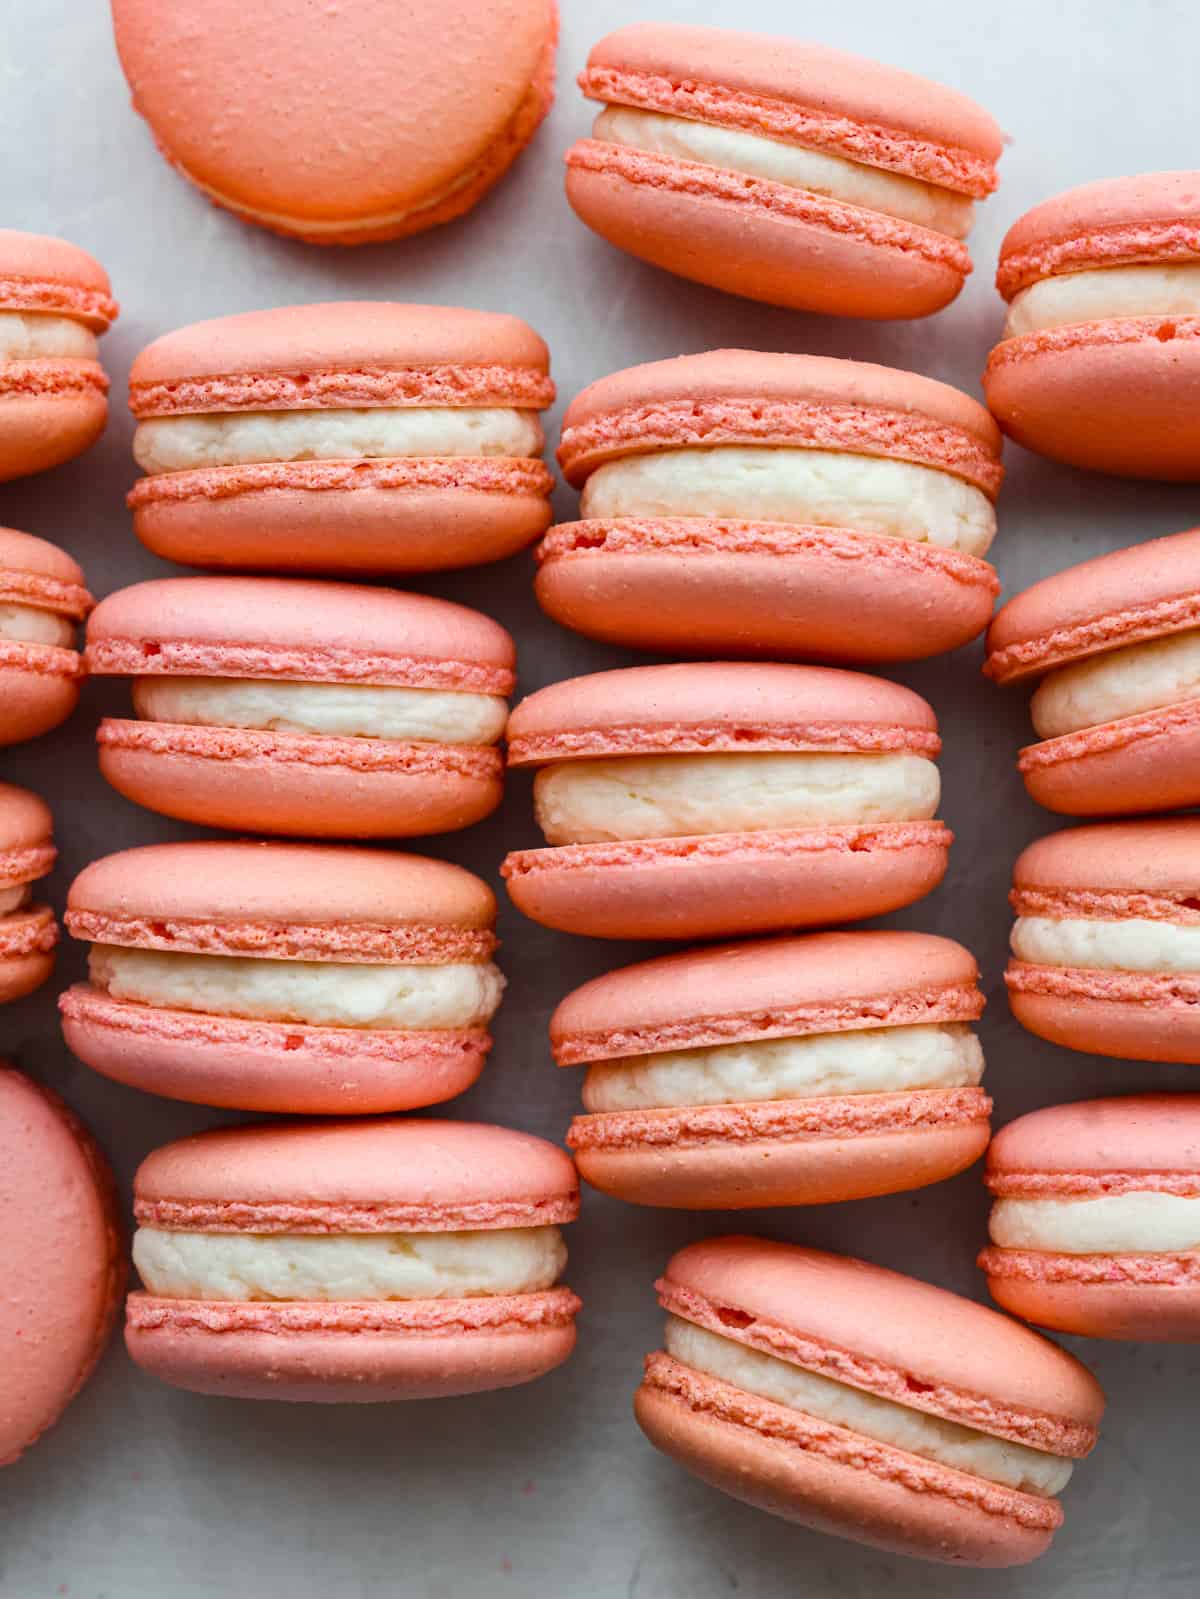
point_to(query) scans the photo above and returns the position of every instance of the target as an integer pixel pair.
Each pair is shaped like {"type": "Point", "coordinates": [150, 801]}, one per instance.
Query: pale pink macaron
{"type": "Point", "coordinates": [28, 931]}
{"type": "Point", "coordinates": [1117, 644]}
{"type": "Point", "coordinates": [61, 1256]}
{"type": "Point", "coordinates": [55, 301]}
{"type": "Point", "coordinates": [715, 799]}
{"type": "Point", "coordinates": [865, 1404]}
{"type": "Point", "coordinates": [357, 436]}
{"type": "Point", "coordinates": [782, 170]}
{"type": "Point", "coordinates": [737, 503]}
{"type": "Point", "coordinates": [348, 1262]}
{"type": "Point", "coordinates": [789, 1071]}
{"type": "Point", "coordinates": [1106, 945]}
{"type": "Point", "coordinates": [1099, 364]}
{"type": "Point", "coordinates": [42, 601]}
{"type": "Point", "coordinates": [1095, 1224]}
{"type": "Point", "coordinates": [277, 705]}
{"type": "Point", "coordinates": [341, 124]}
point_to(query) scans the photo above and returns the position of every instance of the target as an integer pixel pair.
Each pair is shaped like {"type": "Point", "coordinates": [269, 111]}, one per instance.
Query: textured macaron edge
{"type": "Point", "coordinates": [682, 738]}
{"type": "Point", "coordinates": [1105, 737]}
{"type": "Point", "coordinates": [382, 1216]}
{"type": "Point", "coordinates": [92, 306]}
{"type": "Point", "coordinates": [28, 932]}
{"type": "Point", "coordinates": [1106, 334]}
{"type": "Point", "coordinates": [45, 660]}
{"type": "Point", "coordinates": [1032, 1265]}
{"type": "Point", "coordinates": [45, 593]}
{"type": "Point", "coordinates": [1106, 905]}
{"type": "Point", "coordinates": [47, 377]}
{"type": "Point", "coordinates": [1120, 244]}
{"type": "Point", "coordinates": [548, 1307]}
{"type": "Point", "coordinates": [1110, 630]}
{"type": "Point", "coordinates": [1153, 990]}
{"type": "Point", "coordinates": [28, 864]}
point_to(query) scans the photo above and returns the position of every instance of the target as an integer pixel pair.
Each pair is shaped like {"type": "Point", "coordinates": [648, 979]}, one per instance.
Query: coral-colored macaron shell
{"type": "Point", "coordinates": [25, 819]}
{"type": "Point", "coordinates": [82, 285]}
{"type": "Point", "coordinates": [1085, 774]}
{"type": "Point", "coordinates": [1102, 1137]}
{"type": "Point", "coordinates": [1129, 1311]}
{"type": "Point", "coordinates": [1151, 857]}
{"type": "Point", "coordinates": [24, 553]}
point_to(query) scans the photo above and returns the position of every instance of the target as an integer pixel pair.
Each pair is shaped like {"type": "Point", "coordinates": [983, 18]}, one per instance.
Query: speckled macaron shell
{"type": "Point", "coordinates": [774, 1152]}
{"type": "Point", "coordinates": [431, 104]}
{"type": "Point", "coordinates": [39, 683]}
{"type": "Point", "coordinates": [369, 516]}
{"type": "Point", "coordinates": [278, 902]}
{"type": "Point", "coordinates": [1119, 395]}
{"type": "Point", "coordinates": [28, 937]}
{"type": "Point", "coordinates": [61, 1256]}
{"type": "Point", "coordinates": [300, 631]}
{"type": "Point", "coordinates": [1144, 1143]}
{"type": "Point", "coordinates": [354, 1177]}
{"type": "Point", "coordinates": [692, 585]}
{"type": "Point", "coordinates": [889, 1335]}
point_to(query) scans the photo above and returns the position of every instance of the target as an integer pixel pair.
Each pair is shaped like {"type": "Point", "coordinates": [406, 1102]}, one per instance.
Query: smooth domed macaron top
{"type": "Point", "coordinates": [40, 273]}
{"type": "Point", "coordinates": [25, 819]}
{"type": "Point", "coordinates": [1137, 1134]}
{"type": "Point", "coordinates": [1151, 857]}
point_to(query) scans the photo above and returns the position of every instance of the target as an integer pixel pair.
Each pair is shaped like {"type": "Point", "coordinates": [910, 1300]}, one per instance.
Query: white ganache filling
{"type": "Point", "coordinates": [322, 993]}
{"type": "Point", "coordinates": [1136, 944]}
{"type": "Point", "coordinates": [1134, 1223]}
{"type": "Point", "coordinates": [1103, 292]}
{"type": "Point", "coordinates": [28, 625]}
{"type": "Point", "coordinates": [348, 1266]}
{"type": "Point", "coordinates": [677, 796]}
{"type": "Point", "coordinates": [15, 898]}
{"type": "Point", "coordinates": [877, 1060]}
{"type": "Point", "coordinates": [1121, 682]}
{"type": "Point", "coordinates": [758, 156]}
{"type": "Point", "coordinates": [41, 335]}
{"type": "Point", "coordinates": [779, 483]}
{"type": "Point", "coordinates": [949, 1443]}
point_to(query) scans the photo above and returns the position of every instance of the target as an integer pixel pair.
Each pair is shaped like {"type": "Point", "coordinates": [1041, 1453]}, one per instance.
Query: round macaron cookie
{"type": "Point", "coordinates": [42, 601]}
{"type": "Point", "coordinates": [324, 710]}
{"type": "Point", "coordinates": [736, 503]}
{"type": "Point", "coordinates": [61, 1255]}
{"type": "Point", "coordinates": [345, 1262]}
{"type": "Point", "coordinates": [865, 1404]}
{"type": "Point", "coordinates": [790, 1071]}
{"type": "Point", "coordinates": [716, 799]}
{"type": "Point", "coordinates": [28, 931]}
{"type": "Point", "coordinates": [1099, 364]}
{"type": "Point", "coordinates": [351, 437]}
{"type": "Point", "coordinates": [54, 303]}
{"type": "Point", "coordinates": [1106, 945]}
{"type": "Point", "coordinates": [781, 170]}
{"type": "Point", "coordinates": [284, 977]}
{"type": "Point", "coordinates": [340, 125]}
{"type": "Point", "coordinates": [1095, 1224]}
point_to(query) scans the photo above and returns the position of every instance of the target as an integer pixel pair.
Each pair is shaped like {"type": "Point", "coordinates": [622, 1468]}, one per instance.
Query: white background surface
{"type": "Point", "coordinates": [144, 1493]}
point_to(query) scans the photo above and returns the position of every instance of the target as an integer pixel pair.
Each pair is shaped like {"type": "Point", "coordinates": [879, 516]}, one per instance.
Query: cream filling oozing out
{"type": "Point", "coordinates": [332, 710]}
{"type": "Point", "coordinates": [41, 335]}
{"type": "Point", "coordinates": [348, 1266]}
{"type": "Point", "coordinates": [1136, 1223]}
{"type": "Point", "coordinates": [1122, 682]}
{"type": "Point", "coordinates": [677, 796]}
{"type": "Point", "coordinates": [1103, 292]}
{"type": "Point", "coordinates": [878, 1060]}
{"type": "Point", "coordinates": [820, 488]}
{"type": "Point", "coordinates": [237, 438]}
{"type": "Point", "coordinates": [833, 176]}
{"type": "Point", "coordinates": [15, 898]}
{"type": "Point", "coordinates": [29, 625]}
{"type": "Point", "coordinates": [321, 993]}
{"type": "Point", "coordinates": [1136, 944]}
{"type": "Point", "coordinates": [1030, 1471]}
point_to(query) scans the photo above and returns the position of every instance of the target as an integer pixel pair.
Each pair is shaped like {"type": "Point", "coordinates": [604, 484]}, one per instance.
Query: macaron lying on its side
{"type": "Point", "coordinates": [28, 931]}
{"type": "Point", "coordinates": [349, 1262]}
{"type": "Point", "coordinates": [790, 1071]}
{"type": "Point", "coordinates": [1096, 1222]}
{"type": "Point", "coordinates": [42, 600]}
{"type": "Point", "coordinates": [865, 1404]}
{"type": "Point", "coordinates": [324, 710]}
{"type": "Point", "coordinates": [715, 799]}
{"type": "Point", "coordinates": [1099, 364]}
{"type": "Point", "coordinates": [781, 170]}
{"type": "Point", "coordinates": [737, 503]}
{"type": "Point", "coordinates": [355, 437]}
{"type": "Point", "coordinates": [284, 977]}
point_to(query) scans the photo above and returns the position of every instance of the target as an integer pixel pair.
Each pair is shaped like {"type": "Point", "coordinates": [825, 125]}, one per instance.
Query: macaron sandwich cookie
{"type": "Point", "coordinates": [737, 503]}
{"type": "Point", "coordinates": [340, 125]}
{"type": "Point", "coordinates": [865, 1404]}
{"type": "Point", "coordinates": [348, 1262]}
{"type": "Point", "coordinates": [324, 710]}
{"type": "Point", "coordinates": [1106, 945]}
{"type": "Point", "coordinates": [1095, 1224]}
{"type": "Point", "coordinates": [55, 301]}
{"type": "Point", "coordinates": [785, 1071]}
{"type": "Point", "coordinates": [1116, 642]}
{"type": "Point", "coordinates": [782, 171]}
{"type": "Point", "coordinates": [1099, 364]}
{"type": "Point", "coordinates": [716, 799]}
{"type": "Point", "coordinates": [307, 978]}
{"type": "Point", "coordinates": [28, 931]}
{"type": "Point", "coordinates": [42, 601]}
{"type": "Point", "coordinates": [353, 437]}
{"type": "Point", "coordinates": [61, 1255]}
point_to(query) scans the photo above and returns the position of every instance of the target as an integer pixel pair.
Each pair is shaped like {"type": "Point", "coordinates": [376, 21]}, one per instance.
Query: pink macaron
{"type": "Point", "coordinates": [1099, 363]}
{"type": "Point", "coordinates": [62, 1260]}
{"type": "Point", "coordinates": [348, 1262]}
{"type": "Point", "coordinates": [42, 601]}
{"type": "Point", "coordinates": [340, 124]}
{"type": "Point", "coordinates": [284, 977]}
{"type": "Point", "coordinates": [324, 710]}
{"type": "Point", "coordinates": [715, 799]}
{"type": "Point", "coordinates": [355, 437]}
{"type": "Point", "coordinates": [781, 170]}
{"type": "Point", "coordinates": [28, 931]}
{"type": "Point", "coordinates": [736, 503]}
{"type": "Point", "coordinates": [55, 301]}
{"type": "Point", "coordinates": [865, 1404]}
{"type": "Point", "coordinates": [789, 1071]}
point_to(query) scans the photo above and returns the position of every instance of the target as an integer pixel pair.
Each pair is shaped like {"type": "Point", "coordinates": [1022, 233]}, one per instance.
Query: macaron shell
{"type": "Point", "coordinates": [1130, 1311]}
{"type": "Point", "coordinates": [1135, 1018]}
{"type": "Point", "coordinates": [50, 412]}
{"type": "Point", "coordinates": [1157, 857]}
{"type": "Point", "coordinates": [1149, 762]}
{"type": "Point", "coordinates": [28, 940]}
{"type": "Point", "coordinates": [39, 685]}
